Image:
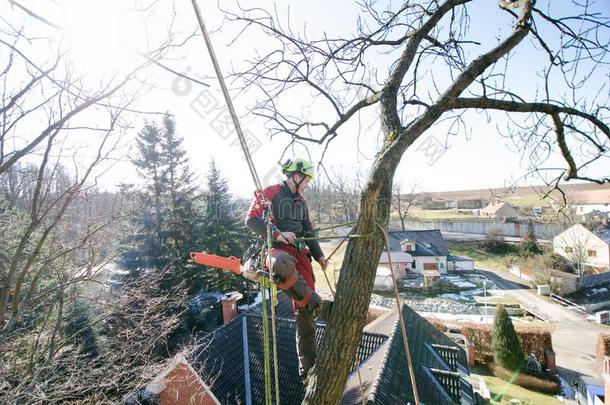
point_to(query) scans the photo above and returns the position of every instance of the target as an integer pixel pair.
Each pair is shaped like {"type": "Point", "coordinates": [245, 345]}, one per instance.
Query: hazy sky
{"type": "Point", "coordinates": [103, 36]}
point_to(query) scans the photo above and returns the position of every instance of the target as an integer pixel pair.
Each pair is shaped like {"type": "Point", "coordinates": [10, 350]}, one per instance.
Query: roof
{"type": "Point", "coordinates": [439, 362]}
{"type": "Point", "coordinates": [453, 258]}
{"type": "Point", "coordinates": [604, 234]}
{"type": "Point", "coordinates": [494, 207]}
{"type": "Point", "coordinates": [439, 365]}
{"type": "Point", "coordinates": [222, 353]}
{"type": "Point", "coordinates": [428, 242]}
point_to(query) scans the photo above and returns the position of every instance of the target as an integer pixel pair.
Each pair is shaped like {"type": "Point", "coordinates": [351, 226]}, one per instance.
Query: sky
{"type": "Point", "coordinates": [105, 37]}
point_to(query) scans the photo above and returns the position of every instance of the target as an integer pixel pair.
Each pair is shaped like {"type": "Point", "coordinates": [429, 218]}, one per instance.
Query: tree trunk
{"type": "Point", "coordinates": [357, 274]}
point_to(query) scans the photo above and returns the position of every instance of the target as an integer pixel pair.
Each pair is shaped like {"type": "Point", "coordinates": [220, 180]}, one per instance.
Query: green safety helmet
{"type": "Point", "coordinates": [298, 165]}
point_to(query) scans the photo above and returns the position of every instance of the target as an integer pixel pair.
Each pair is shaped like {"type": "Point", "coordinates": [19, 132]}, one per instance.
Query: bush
{"type": "Point", "coordinates": [504, 341]}
{"type": "Point", "coordinates": [494, 242]}
{"type": "Point", "coordinates": [545, 383]}
{"type": "Point", "coordinates": [79, 329]}
{"type": "Point", "coordinates": [438, 324]}
{"type": "Point", "coordinates": [532, 339]}
{"type": "Point", "coordinates": [529, 245]}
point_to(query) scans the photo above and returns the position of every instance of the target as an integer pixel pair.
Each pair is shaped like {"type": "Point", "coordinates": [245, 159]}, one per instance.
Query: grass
{"type": "Point", "coordinates": [452, 213]}
{"type": "Point", "coordinates": [332, 270]}
{"type": "Point", "coordinates": [482, 258]}
{"type": "Point", "coordinates": [526, 201]}
{"type": "Point", "coordinates": [493, 300]}
{"type": "Point", "coordinates": [502, 392]}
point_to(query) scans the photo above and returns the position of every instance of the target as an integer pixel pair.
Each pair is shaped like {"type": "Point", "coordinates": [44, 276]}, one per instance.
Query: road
{"type": "Point", "coordinates": [574, 337]}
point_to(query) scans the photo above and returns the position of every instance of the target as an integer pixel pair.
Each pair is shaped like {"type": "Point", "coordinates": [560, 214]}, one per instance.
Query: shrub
{"type": "Point", "coordinates": [532, 339]}
{"type": "Point", "coordinates": [529, 245]}
{"type": "Point", "coordinates": [494, 242]}
{"type": "Point", "coordinates": [504, 341]}
{"type": "Point", "coordinates": [438, 324]}
{"type": "Point", "coordinates": [546, 383]}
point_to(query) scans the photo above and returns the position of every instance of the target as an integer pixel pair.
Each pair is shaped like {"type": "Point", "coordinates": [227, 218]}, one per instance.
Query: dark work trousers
{"type": "Point", "coordinates": [305, 323]}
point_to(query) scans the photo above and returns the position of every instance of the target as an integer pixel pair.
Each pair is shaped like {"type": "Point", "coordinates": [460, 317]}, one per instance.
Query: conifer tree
{"type": "Point", "coordinates": [164, 213]}
{"type": "Point", "coordinates": [529, 245]}
{"type": "Point", "coordinates": [224, 231]}
{"type": "Point", "coordinates": [504, 341]}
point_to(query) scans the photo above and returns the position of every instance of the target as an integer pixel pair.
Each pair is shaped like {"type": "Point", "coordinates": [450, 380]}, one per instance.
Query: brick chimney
{"type": "Point", "coordinates": [229, 306]}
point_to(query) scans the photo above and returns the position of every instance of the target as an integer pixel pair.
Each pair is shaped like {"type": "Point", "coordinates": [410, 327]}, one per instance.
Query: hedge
{"type": "Point", "coordinates": [533, 340]}
{"type": "Point", "coordinates": [528, 381]}
{"type": "Point", "coordinates": [603, 348]}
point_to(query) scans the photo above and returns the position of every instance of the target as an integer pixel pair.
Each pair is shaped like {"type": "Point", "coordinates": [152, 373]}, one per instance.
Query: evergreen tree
{"type": "Point", "coordinates": [504, 341]}
{"type": "Point", "coordinates": [529, 245]}
{"type": "Point", "coordinates": [80, 331]}
{"type": "Point", "coordinates": [223, 227]}
{"type": "Point", "coordinates": [164, 211]}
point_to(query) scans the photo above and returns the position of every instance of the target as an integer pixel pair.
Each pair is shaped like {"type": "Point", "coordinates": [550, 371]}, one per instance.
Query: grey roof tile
{"type": "Point", "coordinates": [427, 242]}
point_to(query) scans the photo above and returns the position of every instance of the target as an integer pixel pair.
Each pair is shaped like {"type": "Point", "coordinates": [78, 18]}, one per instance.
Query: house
{"type": "Point", "coordinates": [230, 362]}
{"type": "Point", "coordinates": [472, 203]}
{"type": "Point", "coordinates": [587, 250]}
{"type": "Point", "coordinates": [438, 205]}
{"type": "Point", "coordinates": [582, 209]}
{"type": "Point", "coordinates": [498, 210]}
{"type": "Point", "coordinates": [594, 216]}
{"type": "Point", "coordinates": [421, 252]}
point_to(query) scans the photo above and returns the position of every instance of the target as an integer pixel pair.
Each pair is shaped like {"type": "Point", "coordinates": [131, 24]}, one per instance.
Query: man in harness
{"type": "Point", "coordinates": [291, 259]}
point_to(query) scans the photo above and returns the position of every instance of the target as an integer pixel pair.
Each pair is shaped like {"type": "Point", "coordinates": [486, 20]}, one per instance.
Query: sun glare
{"type": "Point", "coordinates": [101, 37]}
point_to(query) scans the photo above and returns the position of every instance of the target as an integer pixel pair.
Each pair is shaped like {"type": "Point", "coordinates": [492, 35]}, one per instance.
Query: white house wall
{"type": "Point", "coordinates": [579, 236]}
{"type": "Point", "coordinates": [400, 260]}
{"type": "Point", "coordinates": [440, 260]}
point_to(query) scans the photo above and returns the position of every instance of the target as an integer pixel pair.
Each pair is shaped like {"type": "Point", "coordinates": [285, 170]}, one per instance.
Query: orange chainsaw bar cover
{"type": "Point", "coordinates": [207, 259]}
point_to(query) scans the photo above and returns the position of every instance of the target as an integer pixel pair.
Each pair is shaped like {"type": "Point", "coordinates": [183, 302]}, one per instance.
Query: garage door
{"type": "Point", "coordinates": [430, 266]}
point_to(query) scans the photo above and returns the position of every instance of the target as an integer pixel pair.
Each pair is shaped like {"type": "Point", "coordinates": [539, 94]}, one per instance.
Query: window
{"type": "Point", "coordinates": [569, 249]}
{"type": "Point", "coordinates": [407, 246]}
{"type": "Point", "coordinates": [591, 253]}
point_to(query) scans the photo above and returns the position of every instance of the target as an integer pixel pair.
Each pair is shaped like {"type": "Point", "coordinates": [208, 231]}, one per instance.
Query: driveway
{"type": "Point", "coordinates": [574, 337]}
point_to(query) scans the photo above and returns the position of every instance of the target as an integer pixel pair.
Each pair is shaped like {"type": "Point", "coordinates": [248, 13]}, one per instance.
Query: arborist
{"type": "Point", "coordinates": [290, 259]}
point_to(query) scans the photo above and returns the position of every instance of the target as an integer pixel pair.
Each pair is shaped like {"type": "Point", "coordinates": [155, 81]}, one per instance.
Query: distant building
{"type": "Point", "coordinates": [422, 252]}
{"type": "Point", "coordinates": [582, 209]}
{"type": "Point", "coordinates": [469, 204]}
{"type": "Point", "coordinates": [594, 215]}
{"type": "Point", "coordinates": [437, 204]}
{"type": "Point", "coordinates": [498, 210]}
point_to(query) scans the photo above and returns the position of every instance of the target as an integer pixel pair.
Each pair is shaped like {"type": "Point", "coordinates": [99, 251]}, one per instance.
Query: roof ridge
{"type": "Point", "coordinates": [372, 391]}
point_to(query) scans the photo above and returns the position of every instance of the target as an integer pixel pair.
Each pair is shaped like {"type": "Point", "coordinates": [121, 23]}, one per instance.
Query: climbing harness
{"type": "Point", "coordinates": [259, 188]}
{"type": "Point", "coordinates": [235, 265]}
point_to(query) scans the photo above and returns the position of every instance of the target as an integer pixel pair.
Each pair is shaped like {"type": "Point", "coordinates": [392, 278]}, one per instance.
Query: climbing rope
{"type": "Point", "coordinates": [403, 329]}
{"type": "Point", "coordinates": [259, 188]}
{"type": "Point", "coordinates": [332, 292]}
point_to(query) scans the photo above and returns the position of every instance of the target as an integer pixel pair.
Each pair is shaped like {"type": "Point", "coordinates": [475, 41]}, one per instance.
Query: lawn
{"type": "Point", "coordinates": [502, 392]}
{"type": "Point", "coordinates": [495, 300]}
{"type": "Point", "coordinates": [332, 270]}
{"type": "Point", "coordinates": [482, 258]}
{"type": "Point", "coordinates": [452, 213]}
